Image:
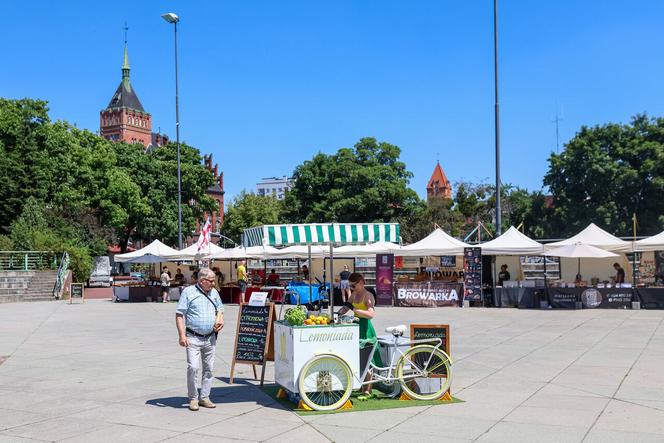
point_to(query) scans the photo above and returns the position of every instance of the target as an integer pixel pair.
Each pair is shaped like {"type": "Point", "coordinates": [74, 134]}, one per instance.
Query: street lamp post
{"type": "Point", "coordinates": [499, 229]}
{"type": "Point", "coordinates": [173, 18]}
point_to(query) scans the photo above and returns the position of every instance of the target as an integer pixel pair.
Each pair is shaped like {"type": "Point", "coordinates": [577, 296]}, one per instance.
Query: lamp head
{"type": "Point", "coordinates": [170, 17]}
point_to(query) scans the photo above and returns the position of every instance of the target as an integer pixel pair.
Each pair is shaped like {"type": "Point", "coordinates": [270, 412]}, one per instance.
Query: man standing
{"type": "Point", "coordinates": [242, 279]}
{"type": "Point", "coordinates": [165, 284]}
{"type": "Point", "coordinates": [199, 317]}
{"type": "Point", "coordinates": [620, 273]}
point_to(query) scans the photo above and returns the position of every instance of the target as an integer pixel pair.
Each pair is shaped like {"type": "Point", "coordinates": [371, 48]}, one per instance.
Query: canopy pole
{"type": "Point", "coordinates": [331, 281]}
{"type": "Point", "coordinates": [310, 271]}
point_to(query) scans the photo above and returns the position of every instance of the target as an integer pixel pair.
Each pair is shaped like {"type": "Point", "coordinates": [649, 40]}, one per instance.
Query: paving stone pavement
{"type": "Point", "coordinates": [103, 371]}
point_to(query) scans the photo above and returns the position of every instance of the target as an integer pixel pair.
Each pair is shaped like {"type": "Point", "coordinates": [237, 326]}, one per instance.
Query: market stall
{"type": "Point", "coordinates": [509, 249]}
{"type": "Point", "coordinates": [315, 358]}
{"type": "Point", "coordinates": [148, 289]}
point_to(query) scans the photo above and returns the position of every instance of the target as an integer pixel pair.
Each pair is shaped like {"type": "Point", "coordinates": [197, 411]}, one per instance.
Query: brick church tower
{"type": "Point", "coordinates": [124, 119]}
{"type": "Point", "coordinates": [439, 186]}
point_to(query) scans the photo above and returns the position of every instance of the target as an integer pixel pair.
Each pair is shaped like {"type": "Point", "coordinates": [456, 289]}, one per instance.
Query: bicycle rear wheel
{"type": "Point", "coordinates": [424, 372]}
{"type": "Point", "coordinates": [325, 383]}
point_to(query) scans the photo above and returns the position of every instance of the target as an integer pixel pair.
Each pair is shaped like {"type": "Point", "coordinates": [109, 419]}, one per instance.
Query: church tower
{"type": "Point", "coordinates": [439, 186]}
{"type": "Point", "coordinates": [124, 119]}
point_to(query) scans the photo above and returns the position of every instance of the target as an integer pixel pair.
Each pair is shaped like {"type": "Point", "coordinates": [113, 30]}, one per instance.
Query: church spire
{"type": "Point", "coordinates": [125, 64]}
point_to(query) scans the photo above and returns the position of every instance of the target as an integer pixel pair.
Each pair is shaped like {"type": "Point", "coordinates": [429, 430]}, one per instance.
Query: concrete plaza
{"type": "Point", "coordinates": [104, 371]}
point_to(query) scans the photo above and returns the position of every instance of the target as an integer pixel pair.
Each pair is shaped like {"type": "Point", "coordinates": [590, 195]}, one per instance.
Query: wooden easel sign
{"type": "Point", "coordinates": [253, 337]}
{"type": "Point", "coordinates": [77, 291]}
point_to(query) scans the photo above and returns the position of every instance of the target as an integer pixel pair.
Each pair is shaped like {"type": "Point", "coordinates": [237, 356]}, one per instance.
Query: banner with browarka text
{"type": "Point", "coordinates": [427, 294]}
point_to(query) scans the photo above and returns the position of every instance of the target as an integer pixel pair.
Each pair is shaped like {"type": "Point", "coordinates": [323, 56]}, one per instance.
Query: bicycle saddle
{"type": "Point", "coordinates": [397, 331]}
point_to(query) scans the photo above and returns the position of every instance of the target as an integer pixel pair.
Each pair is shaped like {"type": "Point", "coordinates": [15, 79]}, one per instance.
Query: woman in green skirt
{"type": "Point", "coordinates": [362, 302]}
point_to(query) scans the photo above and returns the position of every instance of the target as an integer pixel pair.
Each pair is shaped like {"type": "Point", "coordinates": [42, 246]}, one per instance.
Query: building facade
{"type": "Point", "coordinates": [274, 186]}
{"type": "Point", "coordinates": [439, 186]}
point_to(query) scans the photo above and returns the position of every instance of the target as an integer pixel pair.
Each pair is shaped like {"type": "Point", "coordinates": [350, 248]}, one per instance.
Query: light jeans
{"type": "Point", "coordinates": [200, 349]}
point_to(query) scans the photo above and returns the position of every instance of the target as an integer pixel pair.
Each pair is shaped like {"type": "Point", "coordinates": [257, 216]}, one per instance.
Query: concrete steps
{"type": "Point", "coordinates": [26, 285]}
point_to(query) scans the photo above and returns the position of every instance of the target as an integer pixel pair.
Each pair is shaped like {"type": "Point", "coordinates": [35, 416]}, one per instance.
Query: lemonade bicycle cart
{"type": "Point", "coordinates": [324, 364]}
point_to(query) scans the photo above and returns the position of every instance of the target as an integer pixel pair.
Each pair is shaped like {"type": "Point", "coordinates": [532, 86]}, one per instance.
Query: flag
{"type": "Point", "coordinates": [204, 239]}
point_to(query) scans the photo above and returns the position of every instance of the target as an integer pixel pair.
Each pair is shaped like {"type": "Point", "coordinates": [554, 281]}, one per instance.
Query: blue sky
{"type": "Point", "coordinates": [264, 85]}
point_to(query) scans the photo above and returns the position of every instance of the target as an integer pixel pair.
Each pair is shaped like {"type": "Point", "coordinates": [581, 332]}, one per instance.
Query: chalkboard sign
{"type": "Point", "coordinates": [253, 344]}
{"type": "Point", "coordinates": [77, 291]}
{"type": "Point", "coordinates": [472, 268]}
{"type": "Point", "coordinates": [422, 332]}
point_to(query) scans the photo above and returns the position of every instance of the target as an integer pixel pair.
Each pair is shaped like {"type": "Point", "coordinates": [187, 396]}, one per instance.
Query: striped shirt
{"type": "Point", "coordinates": [197, 311]}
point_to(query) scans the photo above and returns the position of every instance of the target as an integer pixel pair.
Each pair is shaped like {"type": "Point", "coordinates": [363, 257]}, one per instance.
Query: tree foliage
{"type": "Point", "coordinates": [362, 184]}
{"type": "Point", "coordinates": [91, 192]}
{"type": "Point", "coordinates": [248, 210]}
{"type": "Point", "coordinates": [607, 173]}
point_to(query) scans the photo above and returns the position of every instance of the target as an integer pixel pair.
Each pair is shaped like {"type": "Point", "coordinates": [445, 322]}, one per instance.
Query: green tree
{"type": "Point", "coordinates": [427, 216]}
{"type": "Point", "coordinates": [362, 184]}
{"type": "Point", "coordinates": [248, 210]}
{"type": "Point", "coordinates": [607, 173]}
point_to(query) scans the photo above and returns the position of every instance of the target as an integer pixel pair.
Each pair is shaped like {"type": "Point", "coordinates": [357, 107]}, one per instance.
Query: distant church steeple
{"type": "Point", "coordinates": [439, 186]}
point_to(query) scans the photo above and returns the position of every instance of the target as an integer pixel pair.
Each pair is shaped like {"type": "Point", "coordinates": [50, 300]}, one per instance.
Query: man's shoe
{"type": "Point", "coordinates": [206, 403]}
{"type": "Point", "coordinates": [193, 405]}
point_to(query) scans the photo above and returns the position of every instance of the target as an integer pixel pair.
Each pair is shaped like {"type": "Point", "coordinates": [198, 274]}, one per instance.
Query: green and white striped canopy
{"type": "Point", "coordinates": [321, 233]}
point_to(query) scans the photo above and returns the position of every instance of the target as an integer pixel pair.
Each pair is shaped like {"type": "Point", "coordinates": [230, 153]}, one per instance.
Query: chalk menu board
{"type": "Point", "coordinates": [472, 273]}
{"type": "Point", "coordinates": [253, 332]}
{"type": "Point", "coordinates": [77, 291]}
{"type": "Point", "coordinates": [423, 332]}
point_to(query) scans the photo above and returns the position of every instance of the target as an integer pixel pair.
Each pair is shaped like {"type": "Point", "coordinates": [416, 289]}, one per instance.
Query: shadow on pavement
{"type": "Point", "coordinates": [240, 392]}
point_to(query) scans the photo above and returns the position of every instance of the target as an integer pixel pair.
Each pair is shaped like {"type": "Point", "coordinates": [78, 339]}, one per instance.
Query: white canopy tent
{"type": "Point", "coordinates": [192, 253]}
{"type": "Point", "coordinates": [155, 252]}
{"type": "Point", "coordinates": [240, 252]}
{"type": "Point", "coordinates": [512, 242]}
{"type": "Point", "coordinates": [595, 236]}
{"type": "Point", "coordinates": [370, 250]}
{"type": "Point", "coordinates": [654, 243]}
{"type": "Point", "coordinates": [579, 250]}
{"type": "Point", "coordinates": [298, 251]}
{"type": "Point", "coordinates": [436, 243]}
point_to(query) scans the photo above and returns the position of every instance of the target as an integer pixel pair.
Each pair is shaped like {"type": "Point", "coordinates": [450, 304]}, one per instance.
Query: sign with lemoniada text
{"type": "Point", "coordinates": [427, 294]}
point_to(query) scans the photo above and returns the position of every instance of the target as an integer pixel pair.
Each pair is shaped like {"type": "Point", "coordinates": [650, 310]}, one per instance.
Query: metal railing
{"type": "Point", "coordinates": [62, 275]}
{"type": "Point", "coordinates": [28, 260]}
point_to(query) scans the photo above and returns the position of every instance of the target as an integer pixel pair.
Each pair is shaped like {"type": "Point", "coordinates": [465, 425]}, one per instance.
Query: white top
{"type": "Point", "coordinates": [436, 243]}
{"type": "Point", "coordinates": [512, 242]}
{"type": "Point", "coordinates": [595, 236]}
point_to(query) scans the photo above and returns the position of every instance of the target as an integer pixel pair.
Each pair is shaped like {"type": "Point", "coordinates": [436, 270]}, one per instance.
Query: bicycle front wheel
{"type": "Point", "coordinates": [325, 383]}
{"type": "Point", "coordinates": [424, 372]}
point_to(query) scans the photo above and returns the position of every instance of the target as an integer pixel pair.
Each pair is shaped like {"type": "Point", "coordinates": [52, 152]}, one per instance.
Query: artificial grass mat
{"type": "Point", "coordinates": [381, 401]}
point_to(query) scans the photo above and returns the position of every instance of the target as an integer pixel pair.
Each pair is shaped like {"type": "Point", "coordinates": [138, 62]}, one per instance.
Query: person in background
{"type": "Point", "coordinates": [578, 279]}
{"type": "Point", "coordinates": [344, 285]}
{"type": "Point", "coordinates": [194, 277]}
{"type": "Point", "coordinates": [620, 273]}
{"type": "Point", "coordinates": [199, 317]}
{"type": "Point", "coordinates": [503, 275]}
{"type": "Point", "coordinates": [273, 278]}
{"type": "Point", "coordinates": [305, 272]}
{"type": "Point", "coordinates": [165, 280]}
{"type": "Point", "coordinates": [242, 279]}
{"type": "Point", "coordinates": [362, 303]}
{"type": "Point", "coordinates": [179, 276]}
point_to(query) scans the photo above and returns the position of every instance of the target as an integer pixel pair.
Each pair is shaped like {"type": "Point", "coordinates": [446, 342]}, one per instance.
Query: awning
{"type": "Point", "coordinates": [155, 252]}
{"type": "Point", "coordinates": [240, 252]}
{"type": "Point", "coordinates": [436, 243]}
{"type": "Point", "coordinates": [321, 233]}
{"type": "Point", "coordinates": [654, 243]}
{"type": "Point", "coordinates": [512, 242]}
{"type": "Point", "coordinates": [192, 253]}
{"type": "Point", "coordinates": [595, 236]}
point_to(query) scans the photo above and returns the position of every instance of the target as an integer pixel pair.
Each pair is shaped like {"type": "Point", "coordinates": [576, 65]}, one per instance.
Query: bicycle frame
{"type": "Point", "coordinates": [377, 377]}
